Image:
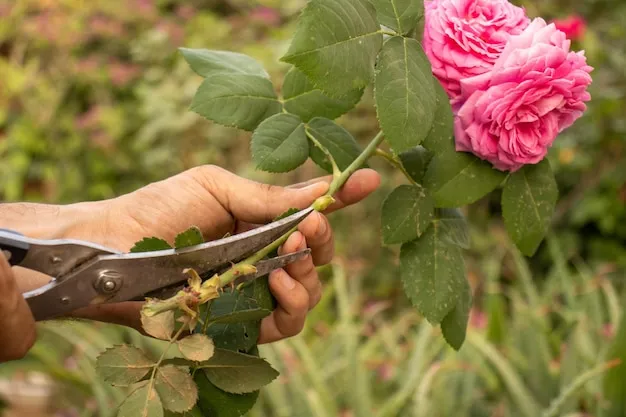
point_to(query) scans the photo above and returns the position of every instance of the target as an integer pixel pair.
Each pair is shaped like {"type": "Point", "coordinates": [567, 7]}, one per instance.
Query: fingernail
{"type": "Point", "coordinates": [286, 281]}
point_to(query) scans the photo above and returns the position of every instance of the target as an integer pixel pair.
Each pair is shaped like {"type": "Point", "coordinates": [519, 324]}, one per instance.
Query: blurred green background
{"type": "Point", "coordinates": [94, 103]}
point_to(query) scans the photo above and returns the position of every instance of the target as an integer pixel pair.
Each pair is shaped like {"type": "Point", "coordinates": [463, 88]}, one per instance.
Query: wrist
{"type": "Point", "coordinates": [48, 221]}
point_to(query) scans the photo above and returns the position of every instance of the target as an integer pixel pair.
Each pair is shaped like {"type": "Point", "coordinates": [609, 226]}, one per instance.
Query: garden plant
{"type": "Point", "coordinates": [469, 96]}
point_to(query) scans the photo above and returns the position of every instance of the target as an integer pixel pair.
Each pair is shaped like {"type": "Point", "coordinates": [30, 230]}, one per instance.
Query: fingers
{"type": "Point", "coordinates": [17, 325]}
{"type": "Point", "coordinates": [361, 184]}
{"type": "Point", "coordinates": [293, 304]}
{"type": "Point", "coordinates": [253, 202]}
{"type": "Point", "coordinates": [303, 270]}
{"type": "Point", "coordinates": [315, 231]}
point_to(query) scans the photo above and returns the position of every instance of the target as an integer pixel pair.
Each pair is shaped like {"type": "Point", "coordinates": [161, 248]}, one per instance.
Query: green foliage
{"type": "Point", "coordinates": [433, 273]}
{"type": "Point", "coordinates": [415, 162]}
{"type": "Point", "coordinates": [405, 93]}
{"type": "Point", "coordinates": [339, 143]}
{"type": "Point", "coordinates": [239, 100]}
{"type": "Point", "coordinates": [399, 15]}
{"type": "Point", "coordinates": [528, 202]}
{"type": "Point", "coordinates": [215, 402]}
{"type": "Point", "coordinates": [614, 383]}
{"type": "Point", "coordinates": [150, 244]}
{"type": "Point", "coordinates": [340, 57]}
{"type": "Point", "coordinates": [454, 324]}
{"type": "Point", "coordinates": [457, 179]}
{"type": "Point", "coordinates": [124, 365]}
{"type": "Point", "coordinates": [303, 99]}
{"type": "Point", "coordinates": [280, 144]}
{"type": "Point", "coordinates": [207, 63]}
{"type": "Point", "coordinates": [175, 388]}
{"type": "Point", "coordinates": [406, 214]}
{"type": "Point", "coordinates": [234, 318]}
{"type": "Point", "coordinates": [144, 402]}
{"type": "Point", "coordinates": [190, 237]}
{"type": "Point", "coordinates": [237, 373]}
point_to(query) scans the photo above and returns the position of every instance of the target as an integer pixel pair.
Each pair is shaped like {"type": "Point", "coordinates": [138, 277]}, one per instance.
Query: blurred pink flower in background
{"type": "Point", "coordinates": [464, 38]}
{"type": "Point", "coordinates": [185, 11]}
{"type": "Point", "coordinates": [511, 115]}
{"type": "Point", "coordinates": [266, 15]}
{"type": "Point", "coordinates": [122, 73]}
{"type": "Point", "coordinates": [573, 26]}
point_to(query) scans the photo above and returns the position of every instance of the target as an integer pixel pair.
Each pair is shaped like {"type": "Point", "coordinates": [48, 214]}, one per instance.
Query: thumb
{"type": "Point", "coordinates": [254, 202]}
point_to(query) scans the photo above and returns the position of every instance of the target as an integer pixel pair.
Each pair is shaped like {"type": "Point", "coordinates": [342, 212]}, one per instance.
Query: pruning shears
{"type": "Point", "coordinates": [85, 273]}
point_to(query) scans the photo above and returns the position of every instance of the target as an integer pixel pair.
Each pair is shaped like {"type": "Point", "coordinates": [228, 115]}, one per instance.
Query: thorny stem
{"type": "Point", "coordinates": [393, 160]}
{"type": "Point", "coordinates": [242, 268]}
{"type": "Point", "coordinates": [230, 275]}
{"type": "Point", "coordinates": [356, 164]}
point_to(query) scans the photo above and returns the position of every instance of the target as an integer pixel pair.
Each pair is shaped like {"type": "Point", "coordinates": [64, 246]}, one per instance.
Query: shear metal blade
{"type": "Point", "coordinates": [136, 274]}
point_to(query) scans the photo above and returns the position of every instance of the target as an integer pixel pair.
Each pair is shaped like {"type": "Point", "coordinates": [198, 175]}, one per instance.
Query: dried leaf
{"type": "Point", "coordinates": [196, 347]}
{"type": "Point", "coordinates": [160, 326]}
{"type": "Point", "coordinates": [176, 388]}
{"type": "Point", "coordinates": [143, 402]}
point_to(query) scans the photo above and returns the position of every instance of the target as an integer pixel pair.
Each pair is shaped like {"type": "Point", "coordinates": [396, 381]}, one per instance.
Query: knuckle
{"type": "Point", "coordinates": [295, 327]}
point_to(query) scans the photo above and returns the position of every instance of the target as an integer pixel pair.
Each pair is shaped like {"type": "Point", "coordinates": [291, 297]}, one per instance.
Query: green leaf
{"type": "Point", "coordinates": [238, 373]}
{"type": "Point", "coordinates": [406, 214]}
{"type": "Point", "coordinates": [454, 227]}
{"type": "Point", "coordinates": [433, 273]}
{"type": "Point", "coordinates": [338, 55]}
{"type": "Point", "coordinates": [454, 324]}
{"type": "Point", "coordinates": [440, 138]}
{"type": "Point", "coordinates": [457, 179]}
{"type": "Point", "coordinates": [280, 144]}
{"type": "Point", "coordinates": [399, 15]}
{"type": "Point", "coordinates": [196, 347]}
{"type": "Point", "coordinates": [217, 403]}
{"type": "Point", "coordinates": [160, 326]}
{"type": "Point", "coordinates": [337, 140]}
{"type": "Point", "coordinates": [238, 100]}
{"type": "Point", "coordinates": [528, 201]}
{"type": "Point", "coordinates": [241, 316]}
{"type": "Point", "coordinates": [415, 162]}
{"type": "Point", "coordinates": [123, 365]}
{"type": "Point", "coordinates": [143, 402]}
{"type": "Point", "coordinates": [176, 388]}
{"type": "Point", "coordinates": [303, 99]}
{"type": "Point", "coordinates": [287, 213]}
{"type": "Point", "coordinates": [190, 237]}
{"type": "Point", "coordinates": [225, 327]}
{"type": "Point", "coordinates": [210, 62]}
{"type": "Point", "coordinates": [259, 291]}
{"type": "Point", "coordinates": [405, 93]}
{"type": "Point", "coordinates": [150, 244]}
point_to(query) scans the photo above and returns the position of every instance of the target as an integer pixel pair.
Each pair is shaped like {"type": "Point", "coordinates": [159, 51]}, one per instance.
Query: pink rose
{"type": "Point", "coordinates": [464, 38]}
{"type": "Point", "coordinates": [511, 115]}
{"type": "Point", "coordinates": [574, 27]}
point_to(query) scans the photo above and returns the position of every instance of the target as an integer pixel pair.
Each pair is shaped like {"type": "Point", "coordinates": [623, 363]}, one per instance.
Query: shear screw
{"type": "Point", "coordinates": [108, 282]}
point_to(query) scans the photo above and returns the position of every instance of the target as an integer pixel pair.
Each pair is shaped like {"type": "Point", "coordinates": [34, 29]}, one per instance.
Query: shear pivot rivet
{"type": "Point", "coordinates": [108, 282]}
{"type": "Point", "coordinates": [65, 300]}
{"type": "Point", "coordinates": [56, 260]}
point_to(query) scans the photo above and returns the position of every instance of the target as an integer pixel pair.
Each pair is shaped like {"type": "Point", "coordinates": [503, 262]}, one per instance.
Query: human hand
{"type": "Point", "coordinates": [17, 325]}
{"type": "Point", "coordinates": [219, 202]}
